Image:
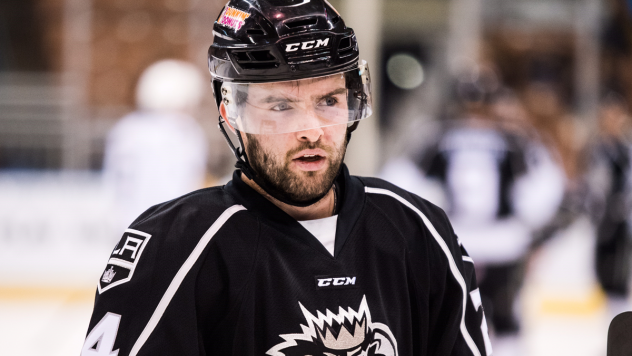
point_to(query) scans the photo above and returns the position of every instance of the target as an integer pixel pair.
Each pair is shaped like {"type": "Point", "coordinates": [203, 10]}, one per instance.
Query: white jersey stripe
{"type": "Point", "coordinates": [468, 259]}
{"type": "Point", "coordinates": [177, 280]}
{"type": "Point", "coordinates": [453, 268]}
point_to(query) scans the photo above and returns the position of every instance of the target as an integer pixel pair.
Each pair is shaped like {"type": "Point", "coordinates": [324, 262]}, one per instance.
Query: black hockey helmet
{"type": "Point", "coordinates": [265, 41]}
{"type": "Point", "coordinates": [277, 40]}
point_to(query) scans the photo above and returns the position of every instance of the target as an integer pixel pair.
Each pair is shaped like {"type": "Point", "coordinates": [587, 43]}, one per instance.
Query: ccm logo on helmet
{"type": "Point", "coordinates": [293, 47]}
{"type": "Point", "coordinates": [335, 281]}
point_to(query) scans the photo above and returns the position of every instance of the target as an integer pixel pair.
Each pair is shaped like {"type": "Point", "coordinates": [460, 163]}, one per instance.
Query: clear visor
{"type": "Point", "coordinates": [299, 105]}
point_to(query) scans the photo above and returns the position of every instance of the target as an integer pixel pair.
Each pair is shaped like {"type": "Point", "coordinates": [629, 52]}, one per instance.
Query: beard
{"type": "Point", "coordinates": [274, 170]}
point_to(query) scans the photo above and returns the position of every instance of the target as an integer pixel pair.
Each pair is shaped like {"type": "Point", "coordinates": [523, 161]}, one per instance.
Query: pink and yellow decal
{"type": "Point", "coordinates": [233, 18]}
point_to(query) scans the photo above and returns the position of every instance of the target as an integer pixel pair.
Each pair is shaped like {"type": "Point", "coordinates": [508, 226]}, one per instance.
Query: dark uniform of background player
{"type": "Point", "coordinates": [232, 270]}
{"type": "Point", "coordinates": [488, 164]}
{"type": "Point", "coordinates": [609, 179]}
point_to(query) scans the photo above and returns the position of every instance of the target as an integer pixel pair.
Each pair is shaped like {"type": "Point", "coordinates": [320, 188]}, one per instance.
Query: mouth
{"type": "Point", "coordinates": [310, 160]}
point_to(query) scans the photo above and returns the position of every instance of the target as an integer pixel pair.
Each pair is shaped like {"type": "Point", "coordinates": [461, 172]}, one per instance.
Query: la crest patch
{"type": "Point", "coordinates": [124, 259]}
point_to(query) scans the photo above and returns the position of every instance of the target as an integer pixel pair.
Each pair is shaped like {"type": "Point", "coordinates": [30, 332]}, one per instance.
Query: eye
{"type": "Point", "coordinates": [281, 107]}
{"type": "Point", "coordinates": [330, 101]}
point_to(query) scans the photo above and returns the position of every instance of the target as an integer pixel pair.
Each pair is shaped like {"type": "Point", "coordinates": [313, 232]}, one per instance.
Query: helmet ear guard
{"type": "Point", "coordinates": [216, 85]}
{"type": "Point", "coordinates": [239, 151]}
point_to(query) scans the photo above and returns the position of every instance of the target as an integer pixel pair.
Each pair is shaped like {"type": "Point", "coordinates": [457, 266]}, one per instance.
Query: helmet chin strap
{"type": "Point", "coordinates": [244, 165]}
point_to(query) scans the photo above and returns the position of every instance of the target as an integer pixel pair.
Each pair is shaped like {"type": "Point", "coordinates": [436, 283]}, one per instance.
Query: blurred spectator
{"type": "Point", "coordinates": [610, 179]}
{"type": "Point", "coordinates": [158, 152]}
{"type": "Point", "coordinates": [500, 186]}
{"type": "Point", "coordinates": [549, 114]}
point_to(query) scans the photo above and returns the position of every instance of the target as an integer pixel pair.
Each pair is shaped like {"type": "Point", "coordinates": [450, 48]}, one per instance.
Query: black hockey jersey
{"type": "Point", "coordinates": [223, 271]}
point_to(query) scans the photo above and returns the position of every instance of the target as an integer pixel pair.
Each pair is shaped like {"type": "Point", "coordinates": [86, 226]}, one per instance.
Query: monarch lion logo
{"type": "Point", "coordinates": [348, 333]}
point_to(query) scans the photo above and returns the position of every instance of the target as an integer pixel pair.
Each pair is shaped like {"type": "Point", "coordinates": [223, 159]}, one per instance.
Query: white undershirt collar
{"type": "Point", "coordinates": [324, 230]}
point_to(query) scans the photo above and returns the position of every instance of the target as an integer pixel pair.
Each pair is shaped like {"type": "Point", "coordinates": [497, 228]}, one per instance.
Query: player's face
{"type": "Point", "coordinates": [300, 164]}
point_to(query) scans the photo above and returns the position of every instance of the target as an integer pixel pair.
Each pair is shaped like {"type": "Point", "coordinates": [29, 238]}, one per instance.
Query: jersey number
{"type": "Point", "coordinates": [100, 341]}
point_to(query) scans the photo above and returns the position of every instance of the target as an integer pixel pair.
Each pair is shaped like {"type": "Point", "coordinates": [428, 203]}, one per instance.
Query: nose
{"type": "Point", "coordinates": [310, 135]}
{"type": "Point", "coordinates": [312, 130]}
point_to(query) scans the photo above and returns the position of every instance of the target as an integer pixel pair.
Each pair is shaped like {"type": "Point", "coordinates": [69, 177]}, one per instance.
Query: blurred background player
{"type": "Point", "coordinates": [609, 180]}
{"type": "Point", "coordinates": [158, 152]}
{"type": "Point", "coordinates": [489, 164]}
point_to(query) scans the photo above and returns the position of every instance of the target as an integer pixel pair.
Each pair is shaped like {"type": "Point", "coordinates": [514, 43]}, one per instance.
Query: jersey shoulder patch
{"type": "Point", "coordinates": [124, 259]}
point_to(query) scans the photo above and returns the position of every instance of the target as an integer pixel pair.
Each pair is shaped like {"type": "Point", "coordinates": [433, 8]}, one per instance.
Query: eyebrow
{"type": "Point", "coordinates": [332, 93]}
{"type": "Point", "coordinates": [276, 99]}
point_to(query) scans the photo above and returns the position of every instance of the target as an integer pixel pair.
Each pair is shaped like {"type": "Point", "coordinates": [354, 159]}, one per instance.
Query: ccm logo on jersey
{"type": "Point", "coordinates": [335, 282]}
{"type": "Point", "coordinates": [124, 258]}
{"type": "Point", "coordinates": [293, 47]}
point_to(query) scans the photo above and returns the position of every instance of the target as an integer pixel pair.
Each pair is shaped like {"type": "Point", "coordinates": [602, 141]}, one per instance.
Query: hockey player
{"type": "Point", "coordinates": [609, 180]}
{"type": "Point", "coordinates": [159, 151]}
{"type": "Point", "coordinates": [294, 256]}
{"type": "Point", "coordinates": [488, 170]}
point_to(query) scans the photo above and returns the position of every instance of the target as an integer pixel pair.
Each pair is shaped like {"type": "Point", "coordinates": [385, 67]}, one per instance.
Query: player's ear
{"type": "Point", "coordinates": [222, 111]}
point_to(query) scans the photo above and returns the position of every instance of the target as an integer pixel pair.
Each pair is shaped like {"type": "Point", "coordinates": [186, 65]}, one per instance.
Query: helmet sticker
{"type": "Point", "coordinates": [233, 18]}
{"type": "Point", "coordinates": [349, 332]}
